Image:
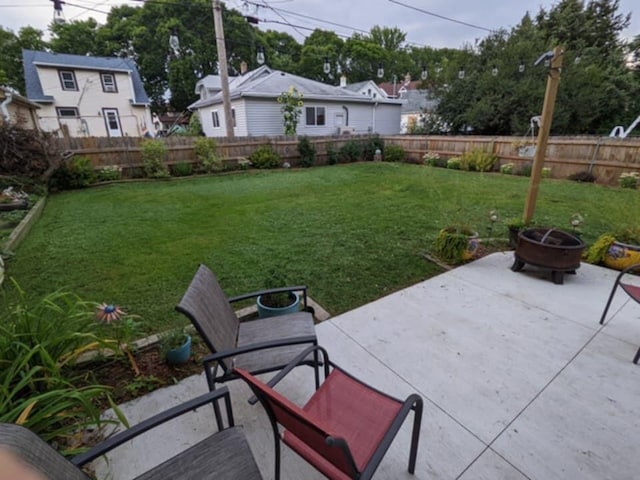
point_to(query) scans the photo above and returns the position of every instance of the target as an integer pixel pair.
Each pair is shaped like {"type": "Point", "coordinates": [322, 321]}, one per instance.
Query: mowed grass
{"type": "Point", "coordinates": [351, 233]}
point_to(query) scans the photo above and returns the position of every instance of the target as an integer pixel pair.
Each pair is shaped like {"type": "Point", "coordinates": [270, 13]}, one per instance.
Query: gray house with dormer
{"type": "Point", "coordinates": [84, 96]}
{"type": "Point", "coordinates": [327, 109]}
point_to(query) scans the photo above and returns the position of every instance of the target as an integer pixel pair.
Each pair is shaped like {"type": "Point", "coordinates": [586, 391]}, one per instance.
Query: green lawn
{"type": "Point", "coordinates": [352, 233]}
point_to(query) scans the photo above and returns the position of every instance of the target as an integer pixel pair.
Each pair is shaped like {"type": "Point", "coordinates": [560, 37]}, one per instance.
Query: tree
{"type": "Point", "coordinates": [281, 50]}
{"type": "Point", "coordinates": [11, 46]}
{"type": "Point", "coordinates": [75, 37]}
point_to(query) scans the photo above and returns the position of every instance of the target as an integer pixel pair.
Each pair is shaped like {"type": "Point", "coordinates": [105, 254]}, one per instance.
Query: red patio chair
{"type": "Point", "coordinates": [630, 289]}
{"type": "Point", "coordinates": [345, 428]}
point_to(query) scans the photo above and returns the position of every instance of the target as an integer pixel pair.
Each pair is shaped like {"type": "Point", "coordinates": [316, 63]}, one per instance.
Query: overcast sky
{"type": "Point", "coordinates": [424, 27]}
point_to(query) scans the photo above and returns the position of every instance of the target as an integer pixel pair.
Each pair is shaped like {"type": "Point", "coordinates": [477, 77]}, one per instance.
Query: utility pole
{"type": "Point", "coordinates": [545, 126]}
{"type": "Point", "coordinates": [222, 62]}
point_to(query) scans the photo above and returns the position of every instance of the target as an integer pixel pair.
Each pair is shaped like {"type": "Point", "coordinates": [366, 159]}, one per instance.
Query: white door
{"type": "Point", "coordinates": [112, 121]}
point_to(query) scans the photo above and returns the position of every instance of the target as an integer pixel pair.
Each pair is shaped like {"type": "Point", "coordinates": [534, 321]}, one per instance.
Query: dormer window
{"type": "Point", "coordinates": [108, 83]}
{"type": "Point", "coordinates": [68, 80]}
{"type": "Point", "coordinates": [203, 92]}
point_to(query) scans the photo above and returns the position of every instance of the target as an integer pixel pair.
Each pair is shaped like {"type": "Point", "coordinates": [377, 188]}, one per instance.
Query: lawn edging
{"type": "Point", "coordinates": [23, 228]}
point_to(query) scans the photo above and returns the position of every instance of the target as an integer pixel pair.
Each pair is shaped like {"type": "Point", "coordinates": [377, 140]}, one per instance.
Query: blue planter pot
{"type": "Point", "coordinates": [180, 355]}
{"type": "Point", "coordinates": [265, 311]}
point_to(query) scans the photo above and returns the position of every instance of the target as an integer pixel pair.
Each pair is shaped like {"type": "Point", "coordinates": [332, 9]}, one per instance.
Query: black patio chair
{"type": "Point", "coordinates": [223, 455]}
{"type": "Point", "coordinates": [630, 289]}
{"type": "Point", "coordinates": [257, 346]}
{"type": "Point", "coordinates": [344, 429]}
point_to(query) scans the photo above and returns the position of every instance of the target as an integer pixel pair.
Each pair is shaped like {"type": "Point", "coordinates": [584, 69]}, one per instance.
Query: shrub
{"type": "Point", "coordinates": [195, 126]}
{"type": "Point", "coordinates": [432, 159]}
{"type": "Point", "coordinates": [545, 172]}
{"type": "Point", "coordinates": [205, 150]}
{"type": "Point", "coordinates": [351, 151]}
{"type": "Point", "coordinates": [370, 146]}
{"type": "Point", "coordinates": [39, 339]}
{"type": "Point", "coordinates": [332, 155]}
{"type": "Point", "coordinates": [478, 160]}
{"type": "Point", "coordinates": [109, 173]}
{"type": "Point", "coordinates": [507, 168]}
{"type": "Point", "coordinates": [307, 152]}
{"type": "Point", "coordinates": [629, 180]}
{"type": "Point", "coordinates": [452, 243]}
{"type": "Point", "coordinates": [265, 157]}
{"type": "Point", "coordinates": [154, 153]}
{"type": "Point", "coordinates": [585, 176]}
{"type": "Point", "coordinates": [454, 163]}
{"type": "Point", "coordinates": [182, 169]}
{"type": "Point", "coordinates": [394, 153]}
{"type": "Point", "coordinates": [76, 172]}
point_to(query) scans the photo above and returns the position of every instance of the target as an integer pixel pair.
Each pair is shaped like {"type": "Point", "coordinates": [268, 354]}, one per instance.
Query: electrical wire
{"type": "Point", "coordinates": [449, 19]}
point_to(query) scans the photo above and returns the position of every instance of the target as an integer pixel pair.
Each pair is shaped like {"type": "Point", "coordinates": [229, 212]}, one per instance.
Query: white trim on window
{"type": "Point", "coordinates": [108, 83]}
{"type": "Point", "coordinates": [68, 79]}
{"type": "Point", "coordinates": [67, 112]}
{"type": "Point", "coordinates": [315, 116]}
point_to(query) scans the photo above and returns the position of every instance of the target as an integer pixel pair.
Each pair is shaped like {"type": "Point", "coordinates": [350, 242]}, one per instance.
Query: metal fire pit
{"type": "Point", "coordinates": [549, 249]}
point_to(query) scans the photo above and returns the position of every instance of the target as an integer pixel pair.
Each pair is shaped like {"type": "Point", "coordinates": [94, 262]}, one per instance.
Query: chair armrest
{"type": "Point", "coordinates": [297, 288]}
{"type": "Point", "coordinates": [122, 437]}
{"type": "Point", "coordinates": [631, 268]}
{"type": "Point", "coordinates": [214, 357]}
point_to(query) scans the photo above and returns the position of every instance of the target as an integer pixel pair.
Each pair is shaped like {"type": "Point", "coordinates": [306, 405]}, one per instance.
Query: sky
{"type": "Point", "coordinates": [421, 20]}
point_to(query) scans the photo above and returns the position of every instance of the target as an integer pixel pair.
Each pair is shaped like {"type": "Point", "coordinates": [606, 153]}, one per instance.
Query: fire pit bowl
{"type": "Point", "coordinates": [549, 249]}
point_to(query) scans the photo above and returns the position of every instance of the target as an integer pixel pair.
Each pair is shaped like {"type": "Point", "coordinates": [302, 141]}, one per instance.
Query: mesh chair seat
{"type": "Point", "coordinates": [298, 324]}
{"type": "Point", "coordinates": [349, 409]}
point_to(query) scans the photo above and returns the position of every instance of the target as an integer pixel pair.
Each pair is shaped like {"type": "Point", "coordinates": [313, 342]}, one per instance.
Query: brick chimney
{"type": "Point", "coordinates": [407, 79]}
{"type": "Point", "coordinates": [243, 67]}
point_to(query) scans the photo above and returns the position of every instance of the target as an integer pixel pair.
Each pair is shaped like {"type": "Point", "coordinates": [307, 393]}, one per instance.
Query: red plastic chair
{"type": "Point", "coordinates": [345, 428]}
{"type": "Point", "coordinates": [630, 289]}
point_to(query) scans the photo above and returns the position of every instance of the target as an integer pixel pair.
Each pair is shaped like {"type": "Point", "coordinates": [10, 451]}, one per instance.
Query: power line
{"type": "Point", "coordinates": [449, 19]}
{"type": "Point", "coordinates": [285, 20]}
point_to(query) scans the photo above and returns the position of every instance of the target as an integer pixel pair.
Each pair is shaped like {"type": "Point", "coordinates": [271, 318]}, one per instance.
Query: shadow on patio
{"type": "Point", "coordinates": [519, 379]}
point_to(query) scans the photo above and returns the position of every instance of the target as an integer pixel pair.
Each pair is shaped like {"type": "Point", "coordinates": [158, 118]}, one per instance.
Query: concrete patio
{"type": "Point", "coordinates": [519, 380]}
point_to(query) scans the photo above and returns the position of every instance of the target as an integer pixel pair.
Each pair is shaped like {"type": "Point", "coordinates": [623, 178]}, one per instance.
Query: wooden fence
{"type": "Point", "coordinates": [604, 157]}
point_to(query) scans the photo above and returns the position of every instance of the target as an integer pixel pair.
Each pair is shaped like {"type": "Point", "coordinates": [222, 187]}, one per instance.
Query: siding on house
{"type": "Point", "coordinates": [100, 83]}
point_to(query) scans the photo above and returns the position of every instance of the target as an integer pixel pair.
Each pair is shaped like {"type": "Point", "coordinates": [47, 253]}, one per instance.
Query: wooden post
{"type": "Point", "coordinates": [543, 134]}
{"type": "Point", "coordinates": [222, 62]}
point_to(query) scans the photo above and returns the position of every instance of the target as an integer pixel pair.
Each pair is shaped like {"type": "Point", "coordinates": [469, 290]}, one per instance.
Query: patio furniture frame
{"type": "Point", "coordinates": [258, 346]}
{"type": "Point", "coordinates": [224, 455]}
{"type": "Point", "coordinates": [632, 290]}
{"type": "Point", "coordinates": [318, 431]}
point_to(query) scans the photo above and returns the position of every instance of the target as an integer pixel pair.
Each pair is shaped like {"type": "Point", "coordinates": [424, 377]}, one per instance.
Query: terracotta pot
{"type": "Point", "coordinates": [622, 255]}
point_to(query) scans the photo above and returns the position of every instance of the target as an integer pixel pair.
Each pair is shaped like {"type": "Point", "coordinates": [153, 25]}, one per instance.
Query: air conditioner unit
{"type": "Point", "coordinates": [346, 130]}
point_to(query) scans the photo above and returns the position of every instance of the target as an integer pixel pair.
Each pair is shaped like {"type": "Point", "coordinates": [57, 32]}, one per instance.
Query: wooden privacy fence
{"type": "Point", "coordinates": [604, 157]}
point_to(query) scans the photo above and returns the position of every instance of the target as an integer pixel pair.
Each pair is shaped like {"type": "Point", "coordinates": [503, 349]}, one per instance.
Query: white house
{"type": "Point", "coordinates": [17, 110]}
{"type": "Point", "coordinates": [368, 88]}
{"type": "Point", "coordinates": [87, 96]}
{"type": "Point", "coordinates": [327, 109]}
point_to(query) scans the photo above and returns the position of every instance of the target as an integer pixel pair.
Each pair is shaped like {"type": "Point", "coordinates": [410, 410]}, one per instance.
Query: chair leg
{"type": "Point", "coordinates": [637, 357]}
{"type": "Point", "coordinates": [211, 381]}
{"type": "Point", "coordinates": [415, 434]}
{"type": "Point", "coordinates": [606, 309]}
{"type": "Point", "coordinates": [316, 369]}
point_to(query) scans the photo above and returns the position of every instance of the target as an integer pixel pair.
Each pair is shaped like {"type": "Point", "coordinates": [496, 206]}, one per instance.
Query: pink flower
{"type": "Point", "coordinates": [108, 313]}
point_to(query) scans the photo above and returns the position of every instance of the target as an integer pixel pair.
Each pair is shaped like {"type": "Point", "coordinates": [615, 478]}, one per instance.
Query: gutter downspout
{"type": "Point", "coordinates": [373, 119]}
{"type": "Point", "coordinates": [5, 104]}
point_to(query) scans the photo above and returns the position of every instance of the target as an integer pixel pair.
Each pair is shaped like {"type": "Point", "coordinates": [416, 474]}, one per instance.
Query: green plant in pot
{"type": "Point", "coordinates": [456, 244]}
{"type": "Point", "coordinates": [280, 301]}
{"type": "Point", "coordinates": [176, 346]}
{"type": "Point", "coordinates": [514, 225]}
{"type": "Point", "coordinates": [617, 250]}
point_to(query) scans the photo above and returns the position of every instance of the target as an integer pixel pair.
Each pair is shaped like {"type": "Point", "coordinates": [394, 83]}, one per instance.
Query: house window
{"type": "Point", "coordinates": [216, 118]}
{"type": "Point", "coordinates": [67, 112]}
{"type": "Point", "coordinates": [315, 116]}
{"type": "Point", "coordinates": [108, 82]}
{"type": "Point", "coordinates": [68, 80]}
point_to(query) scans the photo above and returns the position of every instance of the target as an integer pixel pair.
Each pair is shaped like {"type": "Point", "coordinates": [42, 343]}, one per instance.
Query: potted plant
{"type": "Point", "coordinates": [277, 303]}
{"type": "Point", "coordinates": [456, 244]}
{"type": "Point", "coordinates": [176, 346]}
{"type": "Point", "coordinates": [617, 250]}
{"type": "Point", "coordinates": [514, 225]}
